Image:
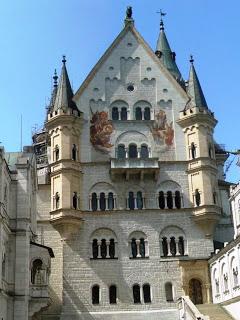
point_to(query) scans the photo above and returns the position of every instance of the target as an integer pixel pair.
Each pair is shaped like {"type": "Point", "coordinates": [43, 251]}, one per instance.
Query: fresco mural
{"type": "Point", "coordinates": [162, 131]}
{"type": "Point", "coordinates": [100, 131]}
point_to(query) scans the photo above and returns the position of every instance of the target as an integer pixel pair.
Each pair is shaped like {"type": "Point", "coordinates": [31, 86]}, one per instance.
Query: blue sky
{"type": "Point", "coordinates": [35, 34]}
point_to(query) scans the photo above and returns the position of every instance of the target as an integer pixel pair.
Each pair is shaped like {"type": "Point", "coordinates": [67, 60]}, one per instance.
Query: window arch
{"type": "Point", "coordinates": [102, 201]}
{"type": "Point", "coordinates": [169, 196]}
{"type": "Point", "coordinates": [144, 153]}
{"type": "Point", "coordinates": [123, 113]}
{"type": "Point", "coordinates": [138, 245]}
{"type": "Point", "coordinates": [115, 113]}
{"type": "Point", "coordinates": [169, 291]}
{"type": "Point", "coordinates": [121, 153]}
{"type": "Point", "coordinates": [147, 114]}
{"type": "Point", "coordinates": [95, 294]}
{"type": "Point", "coordinates": [142, 110]}
{"type": "Point", "coordinates": [74, 152]}
{"type": "Point", "coordinates": [173, 242]}
{"type": "Point", "coordinates": [103, 244]}
{"type": "Point", "coordinates": [132, 151]}
{"type": "Point", "coordinates": [102, 197]}
{"type": "Point", "coordinates": [94, 201]}
{"type": "Point", "coordinates": [138, 113]}
{"type": "Point", "coordinates": [146, 293]}
{"type": "Point", "coordinates": [36, 276]}
{"type": "Point", "coordinates": [112, 294]}
{"type": "Point", "coordinates": [136, 294]}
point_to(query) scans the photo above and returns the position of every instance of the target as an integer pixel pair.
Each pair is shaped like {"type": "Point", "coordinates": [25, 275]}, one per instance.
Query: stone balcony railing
{"type": "Point", "coordinates": [39, 291]}
{"type": "Point", "coordinates": [188, 311]}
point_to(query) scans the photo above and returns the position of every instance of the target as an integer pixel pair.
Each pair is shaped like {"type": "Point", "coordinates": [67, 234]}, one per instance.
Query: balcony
{"type": "Point", "coordinates": [136, 167]}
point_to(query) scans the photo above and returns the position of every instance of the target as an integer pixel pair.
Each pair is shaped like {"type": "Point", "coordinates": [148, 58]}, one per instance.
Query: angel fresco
{"type": "Point", "coordinates": [100, 131]}
{"type": "Point", "coordinates": [162, 131]}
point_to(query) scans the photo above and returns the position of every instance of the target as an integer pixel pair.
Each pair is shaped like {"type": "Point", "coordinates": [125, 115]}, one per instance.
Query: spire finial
{"type": "Point", "coordinates": [64, 59]}
{"type": "Point", "coordinates": [162, 14]}
{"type": "Point", "coordinates": [55, 78]}
{"type": "Point", "coordinates": [191, 59]}
{"type": "Point", "coordinates": [128, 19]}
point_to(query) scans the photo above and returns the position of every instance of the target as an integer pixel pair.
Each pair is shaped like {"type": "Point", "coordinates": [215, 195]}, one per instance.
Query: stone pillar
{"type": "Point", "coordinates": [99, 249]}
{"type": "Point", "coordinates": [138, 248]}
{"type": "Point", "coordinates": [107, 244]}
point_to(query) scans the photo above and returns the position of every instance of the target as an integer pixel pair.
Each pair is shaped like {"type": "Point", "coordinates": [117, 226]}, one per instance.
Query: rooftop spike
{"type": "Point", "coordinates": [194, 89]}
{"type": "Point", "coordinates": [64, 93]}
{"type": "Point", "coordinates": [49, 108]}
{"type": "Point", "coordinates": [128, 19]}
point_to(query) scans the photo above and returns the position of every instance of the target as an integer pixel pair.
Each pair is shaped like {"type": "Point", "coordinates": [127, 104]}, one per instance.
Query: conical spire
{"type": "Point", "coordinates": [194, 89]}
{"type": "Point", "coordinates": [64, 95]}
{"type": "Point", "coordinates": [165, 54]}
{"type": "Point", "coordinates": [49, 108]}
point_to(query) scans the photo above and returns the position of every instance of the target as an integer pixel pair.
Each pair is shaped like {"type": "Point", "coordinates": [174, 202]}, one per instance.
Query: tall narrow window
{"type": "Point", "coordinates": [134, 247]}
{"type": "Point", "coordinates": [193, 151]}
{"type": "Point", "coordinates": [235, 276]}
{"type": "Point", "coordinates": [115, 114]}
{"type": "Point", "coordinates": [35, 272]}
{"type": "Point", "coordinates": [144, 152]}
{"type": "Point", "coordinates": [131, 200]}
{"type": "Point", "coordinates": [165, 247]}
{"type": "Point", "coordinates": [161, 200]}
{"type": "Point", "coordinates": [124, 113]}
{"type": "Point", "coordinates": [132, 151]}
{"type": "Point", "coordinates": [169, 292]}
{"type": "Point", "coordinates": [56, 152]}
{"type": "Point", "coordinates": [75, 200]}
{"type": "Point", "coordinates": [102, 201]}
{"type": "Point", "coordinates": [110, 201]}
{"type": "Point", "coordinates": [95, 294]}
{"type": "Point", "coordinates": [112, 294]}
{"type": "Point", "coordinates": [112, 248]}
{"type": "Point", "coordinates": [173, 248]}
{"type": "Point", "coordinates": [197, 198]}
{"type": "Point", "coordinates": [57, 200]}
{"type": "Point", "coordinates": [94, 202]}
{"type": "Point", "coordinates": [181, 246]}
{"type": "Point", "coordinates": [74, 152]}
{"type": "Point", "coordinates": [138, 113]}
{"type": "Point", "coordinates": [142, 247]}
{"type": "Point", "coordinates": [103, 249]}
{"type": "Point", "coordinates": [4, 266]}
{"type": "Point", "coordinates": [136, 294]}
{"type": "Point", "coordinates": [146, 293]}
{"type": "Point", "coordinates": [121, 153]}
{"type": "Point", "coordinates": [169, 200]}
{"type": "Point", "coordinates": [177, 199]}
{"type": "Point", "coordinates": [139, 200]}
{"type": "Point", "coordinates": [95, 249]}
{"type": "Point", "coordinates": [147, 115]}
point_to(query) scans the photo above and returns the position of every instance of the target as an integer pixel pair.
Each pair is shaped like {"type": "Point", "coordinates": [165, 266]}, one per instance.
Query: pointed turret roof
{"type": "Point", "coordinates": [63, 99]}
{"type": "Point", "coordinates": [166, 55]}
{"type": "Point", "coordinates": [194, 89]}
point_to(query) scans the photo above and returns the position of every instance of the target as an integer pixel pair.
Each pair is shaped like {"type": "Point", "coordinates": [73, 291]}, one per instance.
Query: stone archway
{"type": "Point", "coordinates": [195, 291]}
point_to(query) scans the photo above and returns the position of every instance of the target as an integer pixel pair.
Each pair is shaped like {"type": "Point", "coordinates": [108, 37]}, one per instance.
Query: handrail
{"type": "Point", "coordinates": [188, 311]}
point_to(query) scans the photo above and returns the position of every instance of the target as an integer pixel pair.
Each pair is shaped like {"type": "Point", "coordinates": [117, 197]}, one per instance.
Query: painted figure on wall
{"type": "Point", "coordinates": [100, 131]}
{"type": "Point", "coordinates": [162, 131]}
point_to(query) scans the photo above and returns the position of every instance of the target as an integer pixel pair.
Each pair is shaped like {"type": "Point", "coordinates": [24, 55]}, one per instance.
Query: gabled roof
{"type": "Point", "coordinates": [129, 27]}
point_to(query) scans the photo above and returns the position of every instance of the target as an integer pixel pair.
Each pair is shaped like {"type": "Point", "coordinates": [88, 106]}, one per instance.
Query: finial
{"type": "Point", "coordinates": [129, 12]}
{"type": "Point", "coordinates": [162, 14]}
{"type": "Point", "coordinates": [55, 78]}
{"type": "Point", "coordinates": [64, 59]}
{"type": "Point", "coordinates": [191, 59]}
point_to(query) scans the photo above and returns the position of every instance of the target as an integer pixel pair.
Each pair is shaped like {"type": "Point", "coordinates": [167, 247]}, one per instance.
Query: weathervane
{"type": "Point", "coordinates": [162, 14]}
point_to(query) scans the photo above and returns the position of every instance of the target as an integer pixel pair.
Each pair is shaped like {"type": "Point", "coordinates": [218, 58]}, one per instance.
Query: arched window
{"type": "Point", "coordinates": [161, 200]}
{"type": "Point", "coordinates": [95, 294]}
{"type": "Point", "coordinates": [112, 294]}
{"type": "Point", "coordinates": [178, 199]}
{"type": "Point", "coordinates": [103, 249]}
{"type": "Point", "coordinates": [146, 293]}
{"type": "Point", "coordinates": [139, 200]}
{"type": "Point", "coordinates": [165, 247]}
{"type": "Point", "coordinates": [193, 150]}
{"type": "Point", "coordinates": [74, 152]}
{"type": "Point", "coordinates": [95, 249]}
{"type": "Point", "coordinates": [56, 152]}
{"type": "Point", "coordinates": [136, 294]}
{"type": "Point", "coordinates": [35, 272]}
{"type": "Point", "coordinates": [144, 154]}
{"type": "Point", "coordinates": [75, 200]}
{"type": "Point", "coordinates": [110, 201]}
{"type": "Point", "coordinates": [169, 291]}
{"type": "Point", "coordinates": [94, 202]}
{"type": "Point", "coordinates": [181, 246]}
{"type": "Point", "coordinates": [134, 247]}
{"type": "Point", "coordinates": [115, 114]}
{"type": "Point", "coordinates": [197, 198]}
{"type": "Point", "coordinates": [131, 200]}
{"type": "Point", "coordinates": [142, 247]}
{"type": "Point", "coordinates": [112, 248]}
{"type": "Point", "coordinates": [138, 113]}
{"type": "Point", "coordinates": [173, 248]}
{"type": "Point", "coordinates": [235, 276]}
{"type": "Point", "coordinates": [57, 200]}
{"type": "Point", "coordinates": [169, 200]}
{"type": "Point", "coordinates": [121, 153]}
{"type": "Point", "coordinates": [124, 113]}
{"type": "Point", "coordinates": [225, 281]}
{"type": "Point", "coordinates": [102, 201]}
{"type": "Point", "coordinates": [132, 151]}
{"type": "Point", "coordinates": [147, 115]}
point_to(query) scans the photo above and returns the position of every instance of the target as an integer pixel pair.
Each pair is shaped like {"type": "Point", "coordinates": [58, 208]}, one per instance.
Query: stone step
{"type": "Point", "coordinates": [214, 311]}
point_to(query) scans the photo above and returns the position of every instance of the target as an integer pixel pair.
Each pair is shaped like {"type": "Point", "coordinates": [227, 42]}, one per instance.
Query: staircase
{"type": "Point", "coordinates": [214, 311]}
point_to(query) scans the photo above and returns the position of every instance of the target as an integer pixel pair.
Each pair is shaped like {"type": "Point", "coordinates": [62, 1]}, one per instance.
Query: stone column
{"type": "Point", "coordinates": [99, 249]}
{"type": "Point", "coordinates": [138, 248]}
{"type": "Point", "coordinates": [107, 244]}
